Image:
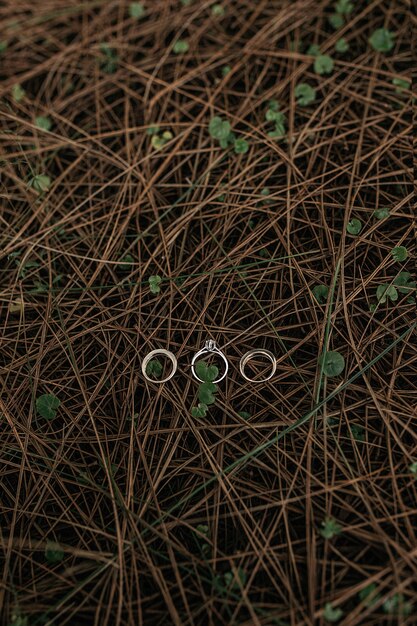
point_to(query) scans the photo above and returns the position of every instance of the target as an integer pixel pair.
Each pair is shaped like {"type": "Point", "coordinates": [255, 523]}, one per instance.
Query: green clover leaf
{"type": "Point", "coordinates": [200, 410]}
{"type": "Point", "coordinates": [323, 64]}
{"type": "Point", "coordinates": [207, 373]}
{"type": "Point", "coordinates": [382, 213]}
{"type": "Point", "coordinates": [344, 7]}
{"type": "Point", "coordinates": [18, 93]}
{"type": "Point", "coordinates": [332, 614]}
{"type": "Point", "coordinates": [354, 227]}
{"type": "Point", "coordinates": [399, 253]}
{"type": "Point", "coordinates": [332, 363]}
{"type": "Point", "coordinates": [382, 40]}
{"type": "Point", "coordinates": [368, 596]}
{"type": "Point", "coordinates": [241, 146]}
{"type": "Point", "coordinates": [40, 183]}
{"type": "Point", "coordinates": [305, 94]}
{"type": "Point", "coordinates": [42, 122]}
{"type": "Point", "coordinates": [320, 292]}
{"type": "Point", "coordinates": [386, 291]}
{"type": "Point", "coordinates": [341, 45]}
{"type": "Point", "coordinates": [218, 128]}
{"type": "Point", "coordinates": [404, 282]}
{"type": "Point", "coordinates": [330, 528]}
{"type": "Point", "coordinates": [154, 368]}
{"type": "Point", "coordinates": [136, 10]}
{"type": "Point", "coordinates": [180, 46]}
{"type": "Point", "coordinates": [154, 282]}
{"type": "Point", "coordinates": [336, 20]}
{"type": "Point", "coordinates": [54, 552]}
{"type": "Point", "coordinates": [206, 393]}
{"type": "Point", "coordinates": [47, 405]}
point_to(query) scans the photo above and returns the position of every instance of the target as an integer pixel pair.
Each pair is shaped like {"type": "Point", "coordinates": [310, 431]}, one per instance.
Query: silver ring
{"type": "Point", "coordinates": [249, 355]}
{"type": "Point", "coordinates": [210, 347]}
{"type": "Point", "coordinates": [150, 356]}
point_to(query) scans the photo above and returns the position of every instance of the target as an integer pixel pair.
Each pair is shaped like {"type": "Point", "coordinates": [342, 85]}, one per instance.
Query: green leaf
{"type": "Point", "coordinates": [323, 64]}
{"type": "Point", "coordinates": [152, 130]}
{"type": "Point", "coordinates": [109, 63]}
{"type": "Point", "coordinates": [181, 46]}
{"type": "Point", "coordinates": [344, 7]}
{"type": "Point", "coordinates": [206, 372]}
{"type": "Point", "coordinates": [217, 10]}
{"type": "Point", "coordinates": [413, 469]}
{"type": "Point", "coordinates": [206, 393]}
{"type": "Point", "coordinates": [305, 94]}
{"type": "Point", "coordinates": [397, 605]}
{"type": "Point", "coordinates": [357, 432]}
{"type": "Point", "coordinates": [3, 46]}
{"type": "Point", "coordinates": [232, 581]}
{"type": "Point", "coordinates": [386, 291]}
{"type": "Point", "coordinates": [203, 529]}
{"type": "Point", "coordinates": [382, 40]}
{"type": "Point", "coordinates": [241, 146]}
{"type": "Point", "coordinates": [330, 528]}
{"type": "Point", "coordinates": [18, 619]}
{"type": "Point", "coordinates": [272, 115]}
{"type": "Point", "coordinates": [159, 141]}
{"type": "Point", "coordinates": [46, 405]}
{"type": "Point", "coordinates": [226, 69]}
{"type": "Point", "coordinates": [313, 50]}
{"type": "Point", "coordinates": [399, 253]}
{"type": "Point", "coordinates": [154, 282]}
{"type": "Point", "coordinates": [18, 93]}
{"type": "Point", "coordinates": [154, 368]}
{"type": "Point", "coordinates": [336, 20]}
{"type": "Point", "coordinates": [279, 131]}
{"type": "Point", "coordinates": [368, 596]}
{"type": "Point", "coordinates": [126, 262]}
{"type": "Point", "coordinates": [42, 122]}
{"type": "Point", "coordinates": [354, 227]}
{"type": "Point", "coordinates": [320, 292]}
{"type": "Point", "coordinates": [54, 552]}
{"type": "Point", "coordinates": [244, 415]}
{"type": "Point", "coordinates": [40, 183]}
{"type": "Point", "coordinates": [382, 213]}
{"type": "Point", "coordinates": [341, 45]}
{"type": "Point", "coordinates": [218, 128]}
{"type": "Point", "coordinates": [136, 10]}
{"type": "Point", "coordinates": [404, 282]}
{"type": "Point", "coordinates": [401, 84]}
{"type": "Point", "coordinates": [332, 362]}
{"type": "Point", "coordinates": [25, 267]}
{"type": "Point", "coordinates": [332, 614]}
{"type": "Point", "coordinates": [273, 105]}
{"type": "Point", "coordinates": [265, 192]}
{"type": "Point", "coordinates": [199, 411]}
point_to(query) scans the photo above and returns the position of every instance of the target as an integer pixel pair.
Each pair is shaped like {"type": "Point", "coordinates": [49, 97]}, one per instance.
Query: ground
{"type": "Point", "coordinates": [176, 171]}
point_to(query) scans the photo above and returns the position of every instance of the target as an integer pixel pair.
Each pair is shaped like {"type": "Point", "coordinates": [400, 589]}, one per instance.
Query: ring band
{"type": "Point", "coordinates": [154, 353]}
{"type": "Point", "coordinates": [210, 347]}
{"type": "Point", "coordinates": [249, 355]}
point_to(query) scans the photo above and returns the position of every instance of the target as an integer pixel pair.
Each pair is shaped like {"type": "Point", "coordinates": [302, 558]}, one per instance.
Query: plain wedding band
{"type": "Point", "coordinates": [153, 354]}
{"type": "Point", "coordinates": [257, 352]}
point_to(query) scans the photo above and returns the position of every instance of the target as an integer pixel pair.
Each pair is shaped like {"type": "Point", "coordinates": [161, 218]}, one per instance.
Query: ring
{"type": "Point", "coordinates": [148, 358]}
{"type": "Point", "coordinates": [249, 355]}
{"type": "Point", "coordinates": [209, 347]}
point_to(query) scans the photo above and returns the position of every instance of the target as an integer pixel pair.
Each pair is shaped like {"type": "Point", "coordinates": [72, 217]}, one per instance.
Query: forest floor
{"type": "Point", "coordinates": [174, 171]}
